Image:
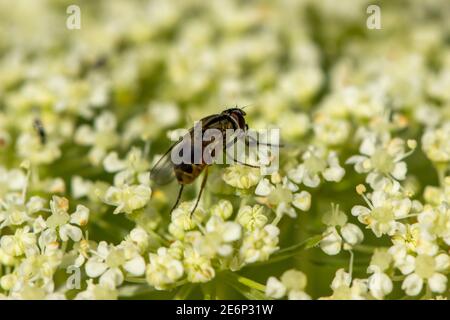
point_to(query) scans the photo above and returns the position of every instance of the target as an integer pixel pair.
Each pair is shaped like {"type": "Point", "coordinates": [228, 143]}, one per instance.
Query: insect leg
{"type": "Point", "coordinates": [233, 140]}
{"type": "Point", "coordinates": [247, 142]}
{"type": "Point", "coordinates": [242, 163]}
{"type": "Point", "coordinates": [205, 177]}
{"type": "Point", "coordinates": [229, 144]}
{"type": "Point", "coordinates": [178, 198]}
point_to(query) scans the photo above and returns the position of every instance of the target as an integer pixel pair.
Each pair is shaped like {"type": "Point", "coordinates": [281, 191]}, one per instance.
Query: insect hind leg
{"type": "Point", "coordinates": [178, 199]}
{"type": "Point", "coordinates": [202, 187]}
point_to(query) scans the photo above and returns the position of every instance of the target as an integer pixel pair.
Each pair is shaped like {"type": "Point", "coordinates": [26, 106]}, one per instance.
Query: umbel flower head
{"type": "Point", "coordinates": [382, 157]}
{"type": "Point", "coordinates": [85, 114]}
{"type": "Point", "coordinates": [383, 211]}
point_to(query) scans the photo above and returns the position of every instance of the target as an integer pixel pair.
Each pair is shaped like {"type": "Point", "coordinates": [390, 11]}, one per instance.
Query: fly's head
{"type": "Point", "coordinates": [238, 115]}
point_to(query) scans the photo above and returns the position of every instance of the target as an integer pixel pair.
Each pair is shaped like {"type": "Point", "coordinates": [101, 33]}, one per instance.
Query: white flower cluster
{"type": "Point", "coordinates": [293, 283]}
{"type": "Point", "coordinates": [84, 116]}
{"type": "Point", "coordinates": [206, 243]}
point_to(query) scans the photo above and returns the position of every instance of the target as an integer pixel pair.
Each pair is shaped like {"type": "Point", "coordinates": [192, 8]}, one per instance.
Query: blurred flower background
{"type": "Point", "coordinates": [359, 209]}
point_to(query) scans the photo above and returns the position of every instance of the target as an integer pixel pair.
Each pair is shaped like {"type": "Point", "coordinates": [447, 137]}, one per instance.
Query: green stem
{"type": "Point", "coordinates": [110, 228]}
{"type": "Point", "coordinates": [277, 219]}
{"type": "Point", "coordinates": [364, 248]}
{"type": "Point", "coordinates": [251, 284]}
{"type": "Point", "coordinates": [159, 238]}
{"type": "Point", "coordinates": [135, 280]}
{"type": "Point", "coordinates": [289, 252]}
{"type": "Point", "coordinates": [247, 287]}
{"type": "Point", "coordinates": [428, 294]}
{"type": "Point", "coordinates": [64, 246]}
{"type": "Point", "coordinates": [184, 292]}
{"type": "Point", "coordinates": [208, 290]}
{"type": "Point", "coordinates": [409, 216]}
{"type": "Point", "coordinates": [441, 168]}
{"type": "Point", "coordinates": [350, 267]}
{"type": "Point", "coordinates": [398, 278]}
{"type": "Point", "coordinates": [129, 291]}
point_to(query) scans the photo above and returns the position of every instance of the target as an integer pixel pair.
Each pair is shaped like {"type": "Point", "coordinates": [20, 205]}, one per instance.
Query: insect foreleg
{"type": "Point", "coordinates": [249, 138]}
{"type": "Point", "coordinates": [240, 162]}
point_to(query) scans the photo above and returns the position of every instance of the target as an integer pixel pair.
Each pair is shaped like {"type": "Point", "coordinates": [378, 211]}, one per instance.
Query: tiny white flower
{"type": "Point", "coordinates": [223, 209]}
{"type": "Point", "coordinates": [352, 234]}
{"type": "Point", "coordinates": [60, 222]}
{"type": "Point", "coordinates": [427, 268]}
{"type": "Point", "coordinates": [317, 162]}
{"type": "Point", "coordinates": [97, 292]}
{"type": "Point", "coordinates": [382, 158]}
{"type": "Point", "coordinates": [380, 285]}
{"type": "Point", "coordinates": [102, 137]}
{"type": "Point", "coordinates": [198, 268]}
{"type": "Point", "coordinates": [259, 244]}
{"type": "Point", "coordinates": [383, 211]}
{"type": "Point", "coordinates": [302, 200]}
{"type": "Point", "coordinates": [131, 170]}
{"type": "Point", "coordinates": [252, 217]}
{"type": "Point", "coordinates": [436, 144]}
{"type": "Point", "coordinates": [339, 233]}
{"type": "Point", "coordinates": [80, 187]}
{"type": "Point", "coordinates": [128, 198]}
{"type": "Point", "coordinates": [274, 288]}
{"type": "Point", "coordinates": [241, 177]}
{"type": "Point", "coordinates": [435, 223]}
{"type": "Point", "coordinates": [341, 278]}
{"type": "Point", "coordinates": [163, 269]}
{"type": "Point", "coordinates": [344, 288]}
{"type": "Point", "coordinates": [283, 196]}
{"type": "Point", "coordinates": [331, 244]}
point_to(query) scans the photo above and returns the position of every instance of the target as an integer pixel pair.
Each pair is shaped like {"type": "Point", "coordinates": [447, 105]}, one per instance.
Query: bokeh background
{"type": "Point", "coordinates": [159, 65]}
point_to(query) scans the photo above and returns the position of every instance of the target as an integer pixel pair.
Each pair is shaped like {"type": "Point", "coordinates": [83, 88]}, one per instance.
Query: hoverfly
{"type": "Point", "coordinates": [187, 172]}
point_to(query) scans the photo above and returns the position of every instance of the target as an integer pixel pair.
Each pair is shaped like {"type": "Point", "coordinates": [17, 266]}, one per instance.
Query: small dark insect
{"type": "Point", "coordinates": [187, 173]}
{"type": "Point", "coordinates": [100, 62]}
{"type": "Point", "coordinates": [39, 127]}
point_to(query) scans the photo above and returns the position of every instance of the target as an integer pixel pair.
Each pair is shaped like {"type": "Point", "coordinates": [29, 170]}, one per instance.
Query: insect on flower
{"type": "Point", "coordinates": [188, 170]}
{"type": "Point", "coordinates": [39, 127]}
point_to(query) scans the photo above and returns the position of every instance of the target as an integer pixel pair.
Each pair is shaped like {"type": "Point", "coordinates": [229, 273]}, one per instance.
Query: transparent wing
{"type": "Point", "coordinates": [162, 171]}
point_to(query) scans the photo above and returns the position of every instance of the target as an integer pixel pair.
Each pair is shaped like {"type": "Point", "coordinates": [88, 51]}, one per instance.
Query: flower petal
{"type": "Point", "coordinates": [437, 282]}
{"type": "Point", "coordinates": [135, 266]}
{"type": "Point", "coordinates": [412, 284]}
{"type": "Point", "coordinates": [95, 268]}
